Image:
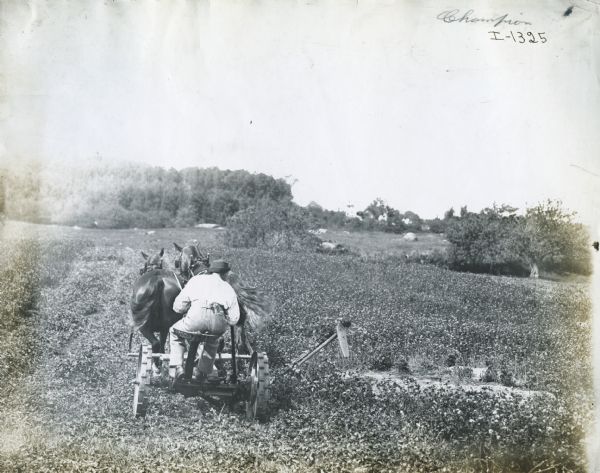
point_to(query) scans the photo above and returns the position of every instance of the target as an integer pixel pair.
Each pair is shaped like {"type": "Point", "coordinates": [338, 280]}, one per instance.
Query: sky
{"type": "Point", "coordinates": [347, 100]}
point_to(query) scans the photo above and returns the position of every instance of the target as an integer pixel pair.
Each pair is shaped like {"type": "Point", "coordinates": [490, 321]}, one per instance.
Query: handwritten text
{"type": "Point", "coordinates": [455, 16]}
{"type": "Point", "coordinates": [519, 36]}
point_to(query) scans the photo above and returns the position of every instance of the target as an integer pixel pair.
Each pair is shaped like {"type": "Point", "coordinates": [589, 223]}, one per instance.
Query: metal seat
{"type": "Point", "coordinates": [199, 337]}
{"type": "Point", "coordinates": [194, 339]}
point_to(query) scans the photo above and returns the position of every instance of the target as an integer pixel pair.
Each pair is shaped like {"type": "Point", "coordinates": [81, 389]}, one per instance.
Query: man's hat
{"type": "Point", "coordinates": [219, 266]}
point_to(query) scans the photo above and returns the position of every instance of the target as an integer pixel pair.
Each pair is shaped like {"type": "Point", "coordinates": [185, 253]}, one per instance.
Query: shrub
{"type": "Point", "coordinates": [437, 225]}
{"type": "Point", "coordinates": [437, 258]}
{"type": "Point", "coordinates": [270, 225]}
{"type": "Point", "coordinates": [498, 241]}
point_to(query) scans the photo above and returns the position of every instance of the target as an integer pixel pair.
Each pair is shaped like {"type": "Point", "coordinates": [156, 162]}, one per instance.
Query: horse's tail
{"type": "Point", "coordinates": [144, 300]}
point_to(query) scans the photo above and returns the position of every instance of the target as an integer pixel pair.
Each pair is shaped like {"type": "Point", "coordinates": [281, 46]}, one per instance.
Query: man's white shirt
{"type": "Point", "coordinates": [204, 290]}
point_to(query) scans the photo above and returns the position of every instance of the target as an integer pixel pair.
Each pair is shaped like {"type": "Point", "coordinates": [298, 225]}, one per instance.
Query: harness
{"type": "Point", "coordinates": [150, 267]}
{"type": "Point", "coordinates": [195, 263]}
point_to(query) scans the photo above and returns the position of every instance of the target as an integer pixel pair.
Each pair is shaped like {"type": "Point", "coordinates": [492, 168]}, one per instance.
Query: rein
{"type": "Point", "coordinates": [177, 279]}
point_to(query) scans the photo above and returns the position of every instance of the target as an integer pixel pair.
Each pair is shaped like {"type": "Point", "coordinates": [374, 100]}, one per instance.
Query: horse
{"type": "Point", "coordinates": [191, 260]}
{"type": "Point", "coordinates": [152, 262]}
{"type": "Point", "coordinates": [152, 300]}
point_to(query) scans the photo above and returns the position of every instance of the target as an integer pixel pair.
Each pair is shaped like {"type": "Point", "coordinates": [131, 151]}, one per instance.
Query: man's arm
{"type": "Point", "coordinates": [233, 311]}
{"type": "Point", "coordinates": [182, 301]}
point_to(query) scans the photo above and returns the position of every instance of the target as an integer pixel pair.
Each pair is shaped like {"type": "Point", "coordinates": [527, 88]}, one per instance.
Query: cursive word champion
{"type": "Point", "coordinates": [454, 16]}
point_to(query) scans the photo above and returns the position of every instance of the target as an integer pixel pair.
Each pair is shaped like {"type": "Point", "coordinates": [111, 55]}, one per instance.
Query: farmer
{"type": "Point", "coordinates": [212, 306]}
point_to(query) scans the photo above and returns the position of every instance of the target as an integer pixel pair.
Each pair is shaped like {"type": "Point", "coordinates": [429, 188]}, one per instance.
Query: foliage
{"type": "Point", "coordinates": [107, 195]}
{"type": "Point", "coordinates": [380, 216]}
{"type": "Point", "coordinates": [436, 225]}
{"type": "Point", "coordinates": [498, 240]}
{"type": "Point", "coordinates": [268, 225]}
{"type": "Point", "coordinates": [552, 240]}
{"type": "Point", "coordinates": [26, 267]}
{"type": "Point", "coordinates": [485, 242]}
{"type": "Point", "coordinates": [320, 217]}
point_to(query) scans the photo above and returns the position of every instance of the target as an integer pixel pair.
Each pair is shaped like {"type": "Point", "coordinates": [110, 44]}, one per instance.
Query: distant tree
{"type": "Point", "coordinates": [548, 238]}
{"type": "Point", "coordinates": [499, 240]}
{"type": "Point", "coordinates": [270, 225]}
{"type": "Point", "coordinates": [186, 216]}
{"type": "Point", "coordinates": [413, 221]}
{"type": "Point", "coordinates": [376, 209]}
{"type": "Point", "coordinates": [394, 222]}
{"type": "Point", "coordinates": [200, 204]}
{"type": "Point", "coordinates": [436, 225]}
{"type": "Point", "coordinates": [449, 214]}
{"type": "Point", "coordinates": [380, 216]}
{"type": "Point", "coordinates": [141, 195]}
{"type": "Point", "coordinates": [354, 223]}
{"type": "Point", "coordinates": [335, 218]}
{"type": "Point", "coordinates": [109, 216]}
{"type": "Point", "coordinates": [317, 216]}
{"type": "Point", "coordinates": [484, 242]}
{"type": "Point", "coordinates": [224, 205]}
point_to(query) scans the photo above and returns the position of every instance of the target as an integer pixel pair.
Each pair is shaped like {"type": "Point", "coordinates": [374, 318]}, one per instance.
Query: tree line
{"type": "Point", "coordinates": [496, 240]}
{"type": "Point", "coordinates": [377, 216]}
{"type": "Point", "coordinates": [259, 211]}
{"type": "Point", "coordinates": [109, 195]}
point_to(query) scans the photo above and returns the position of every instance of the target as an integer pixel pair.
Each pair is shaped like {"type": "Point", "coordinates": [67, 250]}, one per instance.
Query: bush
{"type": "Point", "coordinates": [498, 241]}
{"type": "Point", "coordinates": [483, 242]}
{"type": "Point", "coordinates": [437, 258]}
{"type": "Point", "coordinates": [437, 225]}
{"type": "Point", "coordinates": [270, 225]}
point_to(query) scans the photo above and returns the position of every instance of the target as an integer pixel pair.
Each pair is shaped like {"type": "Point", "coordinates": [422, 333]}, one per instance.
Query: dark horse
{"type": "Point", "coordinates": [155, 291]}
{"type": "Point", "coordinates": [191, 261]}
{"type": "Point", "coordinates": [152, 262]}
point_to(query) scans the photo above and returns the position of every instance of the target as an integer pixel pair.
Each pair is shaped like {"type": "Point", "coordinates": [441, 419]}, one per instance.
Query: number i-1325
{"type": "Point", "coordinates": [518, 36]}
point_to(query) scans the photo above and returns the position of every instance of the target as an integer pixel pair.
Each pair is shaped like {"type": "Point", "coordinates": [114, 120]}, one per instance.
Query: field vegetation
{"type": "Point", "coordinates": [406, 400]}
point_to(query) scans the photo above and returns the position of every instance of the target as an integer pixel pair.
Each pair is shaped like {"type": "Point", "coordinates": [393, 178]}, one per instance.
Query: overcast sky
{"type": "Point", "coordinates": [353, 99]}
